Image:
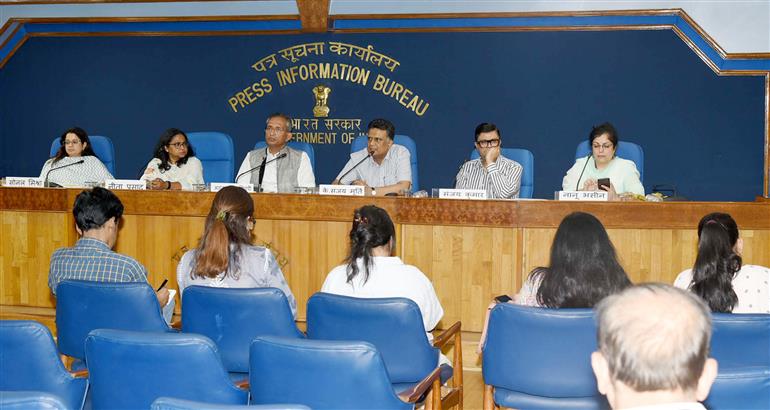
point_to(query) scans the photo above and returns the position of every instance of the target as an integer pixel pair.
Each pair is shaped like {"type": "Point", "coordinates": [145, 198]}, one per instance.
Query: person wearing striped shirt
{"type": "Point", "coordinates": [492, 172]}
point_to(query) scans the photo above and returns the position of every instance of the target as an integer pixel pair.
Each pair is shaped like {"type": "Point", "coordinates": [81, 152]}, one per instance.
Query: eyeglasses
{"type": "Point", "coordinates": [179, 145]}
{"type": "Point", "coordinates": [488, 143]}
{"type": "Point", "coordinates": [605, 146]}
{"type": "Point", "coordinates": [73, 142]}
{"type": "Point", "coordinates": [270, 128]}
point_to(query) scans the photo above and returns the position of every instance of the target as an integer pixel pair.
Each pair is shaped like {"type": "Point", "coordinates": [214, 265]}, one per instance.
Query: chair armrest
{"type": "Point", "coordinates": [80, 374]}
{"type": "Point", "coordinates": [417, 391]}
{"type": "Point", "coordinates": [243, 384]}
{"type": "Point", "coordinates": [440, 340]}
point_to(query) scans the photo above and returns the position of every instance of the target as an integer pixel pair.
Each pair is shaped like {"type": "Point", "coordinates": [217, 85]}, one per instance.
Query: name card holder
{"type": "Point", "coordinates": [345, 190]}
{"type": "Point", "coordinates": [127, 184]}
{"type": "Point", "coordinates": [217, 186]}
{"type": "Point", "coordinates": [447, 193]}
{"type": "Point", "coordinates": [582, 196]}
{"type": "Point", "coordinates": [24, 182]}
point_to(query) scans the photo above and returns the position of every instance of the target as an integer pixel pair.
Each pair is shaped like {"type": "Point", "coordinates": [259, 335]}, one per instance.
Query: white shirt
{"type": "Point", "coordinates": [395, 167]}
{"type": "Point", "coordinates": [305, 176]}
{"type": "Point", "coordinates": [501, 179]}
{"type": "Point", "coordinates": [91, 170]}
{"type": "Point", "coordinates": [188, 174]}
{"type": "Point", "coordinates": [622, 173]}
{"type": "Point", "coordinates": [750, 285]}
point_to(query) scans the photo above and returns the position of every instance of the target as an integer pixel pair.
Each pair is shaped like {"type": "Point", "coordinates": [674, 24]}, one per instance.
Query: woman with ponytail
{"type": "Point", "coordinates": [225, 257]}
{"type": "Point", "coordinates": [719, 276]}
{"type": "Point", "coordinates": [371, 272]}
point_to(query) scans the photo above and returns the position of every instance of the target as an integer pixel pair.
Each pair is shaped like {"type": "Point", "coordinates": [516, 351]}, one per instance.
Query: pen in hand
{"type": "Point", "coordinates": [162, 285]}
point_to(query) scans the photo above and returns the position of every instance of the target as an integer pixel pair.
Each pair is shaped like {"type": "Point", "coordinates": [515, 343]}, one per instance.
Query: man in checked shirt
{"type": "Point", "coordinates": [498, 175]}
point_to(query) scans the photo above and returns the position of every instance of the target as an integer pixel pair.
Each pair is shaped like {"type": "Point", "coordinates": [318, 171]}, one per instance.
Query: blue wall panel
{"type": "Point", "coordinates": [701, 132]}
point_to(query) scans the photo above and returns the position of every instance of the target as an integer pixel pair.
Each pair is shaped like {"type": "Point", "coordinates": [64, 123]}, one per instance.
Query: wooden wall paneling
{"type": "Point", "coordinates": [756, 247]}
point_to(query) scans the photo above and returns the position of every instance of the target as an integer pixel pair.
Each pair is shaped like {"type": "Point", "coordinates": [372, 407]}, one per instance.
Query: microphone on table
{"type": "Point", "coordinates": [577, 185]}
{"type": "Point", "coordinates": [355, 166]}
{"type": "Point", "coordinates": [260, 166]}
{"type": "Point", "coordinates": [45, 181]}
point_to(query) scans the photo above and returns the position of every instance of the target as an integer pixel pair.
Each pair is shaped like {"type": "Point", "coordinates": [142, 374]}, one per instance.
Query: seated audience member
{"type": "Point", "coordinates": [174, 165]}
{"type": "Point", "coordinates": [225, 257]}
{"type": "Point", "coordinates": [283, 174]}
{"type": "Point", "coordinates": [492, 172]}
{"type": "Point", "coordinates": [583, 270]}
{"type": "Point", "coordinates": [382, 167]}
{"type": "Point", "coordinates": [75, 147]}
{"type": "Point", "coordinates": [719, 277]}
{"type": "Point", "coordinates": [603, 163]}
{"type": "Point", "coordinates": [370, 270]}
{"type": "Point", "coordinates": [649, 357]}
{"type": "Point", "coordinates": [97, 217]}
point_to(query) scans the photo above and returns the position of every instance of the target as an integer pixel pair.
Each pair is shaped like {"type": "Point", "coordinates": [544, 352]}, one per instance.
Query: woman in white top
{"type": "Point", "coordinates": [82, 164]}
{"type": "Point", "coordinates": [603, 163]}
{"type": "Point", "coordinates": [719, 277]}
{"type": "Point", "coordinates": [225, 257]}
{"type": "Point", "coordinates": [174, 165]}
{"type": "Point", "coordinates": [371, 272]}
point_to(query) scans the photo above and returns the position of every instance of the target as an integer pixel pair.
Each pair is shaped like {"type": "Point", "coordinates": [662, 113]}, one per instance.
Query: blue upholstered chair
{"type": "Point", "coordinates": [82, 306]}
{"type": "Point", "coordinates": [215, 151]}
{"type": "Point", "coordinates": [741, 339]}
{"type": "Point", "coordinates": [129, 370]}
{"type": "Point", "coordinates": [29, 362]}
{"type": "Point", "coordinates": [540, 358]}
{"type": "Point", "coordinates": [326, 374]}
{"type": "Point", "coordinates": [234, 317]}
{"type": "Point", "coordinates": [298, 145]}
{"type": "Point", "coordinates": [626, 150]}
{"type": "Point", "coordinates": [740, 388]}
{"type": "Point", "coordinates": [168, 403]}
{"type": "Point", "coordinates": [102, 147]}
{"type": "Point", "coordinates": [360, 143]}
{"type": "Point", "coordinates": [30, 400]}
{"type": "Point", "coordinates": [409, 357]}
{"type": "Point", "coordinates": [527, 161]}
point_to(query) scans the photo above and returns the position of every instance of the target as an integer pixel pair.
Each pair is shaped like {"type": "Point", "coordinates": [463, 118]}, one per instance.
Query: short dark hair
{"type": "Point", "coordinates": [383, 124]}
{"type": "Point", "coordinates": [486, 127]}
{"type": "Point", "coordinates": [93, 208]}
{"type": "Point", "coordinates": [601, 129]}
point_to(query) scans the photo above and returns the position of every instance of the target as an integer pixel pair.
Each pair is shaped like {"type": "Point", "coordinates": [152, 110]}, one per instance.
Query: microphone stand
{"type": "Point", "coordinates": [45, 181]}
{"type": "Point", "coordinates": [260, 166]}
{"type": "Point", "coordinates": [354, 167]}
{"type": "Point", "coordinates": [577, 184]}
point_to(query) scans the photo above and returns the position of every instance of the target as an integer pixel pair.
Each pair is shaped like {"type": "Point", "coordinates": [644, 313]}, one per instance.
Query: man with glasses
{"type": "Point", "coordinates": [279, 168]}
{"type": "Point", "coordinates": [382, 167]}
{"type": "Point", "coordinates": [498, 175]}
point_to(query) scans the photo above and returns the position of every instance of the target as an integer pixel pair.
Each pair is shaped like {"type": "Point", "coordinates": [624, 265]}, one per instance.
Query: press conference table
{"type": "Point", "coordinates": [472, 250]}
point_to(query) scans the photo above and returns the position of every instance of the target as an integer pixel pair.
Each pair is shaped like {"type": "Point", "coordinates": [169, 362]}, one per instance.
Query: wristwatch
{"type": "Point", "coordinates": [374, 192]}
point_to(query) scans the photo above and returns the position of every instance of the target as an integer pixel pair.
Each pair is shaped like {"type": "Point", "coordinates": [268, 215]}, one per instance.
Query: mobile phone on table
{"type": "Point", "coordinates": [503, 299]}
{"type": "Point", "coordinates": [165, 281]}
{"type": "Point", "coordinates": [604, 184]}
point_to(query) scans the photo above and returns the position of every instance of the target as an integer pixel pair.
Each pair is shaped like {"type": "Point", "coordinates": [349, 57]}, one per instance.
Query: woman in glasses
{"type": "Point", "coordinates": [77, 160]}
{"type": "Point", "coordinates": [498, 175]}
{"type": "Point", "coordinates": [174, 165]}
{"type": "Point", "coordinates": [603, 163]}
{"type": "Point", "coordinates": [225, 257]}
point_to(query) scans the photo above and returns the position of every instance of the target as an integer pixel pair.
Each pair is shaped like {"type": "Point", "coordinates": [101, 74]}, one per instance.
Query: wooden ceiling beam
{"type": "Point", "coordinates": [314, 15]}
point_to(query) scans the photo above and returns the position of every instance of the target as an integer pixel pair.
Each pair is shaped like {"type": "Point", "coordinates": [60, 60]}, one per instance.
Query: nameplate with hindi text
{"type": "Point", "coordinates": [582, 195]}
{"type": "Point", "coordinates": [447, 193]}
{"type": "Point", "coordinates": [24, 182]}
{"type": "Point", "coordinates": [127, 184]}
{"type": "Point", "coordinates": [345, 190]}
{"type": "Point", "coordinates": [217, 186]}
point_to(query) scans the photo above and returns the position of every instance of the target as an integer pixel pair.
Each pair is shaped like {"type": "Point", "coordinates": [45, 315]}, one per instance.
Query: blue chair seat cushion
{"type": "Point", "coordinates": [514, 399]}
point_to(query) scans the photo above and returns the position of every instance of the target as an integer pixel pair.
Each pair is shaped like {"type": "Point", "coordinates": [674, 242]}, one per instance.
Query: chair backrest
{"type": "Point", "coordinates": [741, 339]}
{"type": "Point", "coordinates": [320, 374]}
{"type": "Point", "coordinates": [232, 318]}
{"type": "Point", "coordinates": [740, 388]}
{"type": "Point", "coordinates": [536, 357]}
{"type": "Point", "coordinates": [361, 141]}
{"type": "Point", "coordinates": [27, 400]}
{"type": "Point", "coordinates": [82, 306]}
{"type": "Point", "coordinates": [169, 403]}
{"type": "Point", "coordinates": [409, 357]}
{"type": "Point", "coordinates": [29, 361]}
{"type": "Point", "coordinates": [298, 145]}
{"type": "Point", "coordinates": [527, 161]}
{"type": "Point", "coordinates": [129, 370]}
{"type": "Point", "coordinates": [215, 151]}
{"type": "Point", "coordinates": [102, 147]}
{"type": "Point", "coordinates": [626, 150]}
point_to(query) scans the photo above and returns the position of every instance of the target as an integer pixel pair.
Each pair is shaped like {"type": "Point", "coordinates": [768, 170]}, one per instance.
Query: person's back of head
{"type": "Point", "coordinates": [229, 222]}
{"type": "Point", "coordinates": [584, 266]}
{"type": "Point", "coordinates": [372, 228]}
{"type": "Point", "coordinates": [717, 262]}
{"type": "Point", "coordinates": [653, 347]}
{"type": "Point", "coordinates": [93, 208]}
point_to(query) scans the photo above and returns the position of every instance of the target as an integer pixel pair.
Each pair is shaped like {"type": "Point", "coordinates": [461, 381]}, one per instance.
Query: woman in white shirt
{"type": "Point", "coordinates": [77, 159]}
{"type": "Point", "coordinates": [174, 165]}
{"type": "Point", "coordinates": [371, 272]}
{"type": "Point", "coordinates": [719, 276]}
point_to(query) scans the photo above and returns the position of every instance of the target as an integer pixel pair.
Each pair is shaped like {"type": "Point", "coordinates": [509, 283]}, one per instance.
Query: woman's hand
{"type": "Point", "coordinates": [590, 185]}
{"type": "Point", "coordinates": [158, 183]}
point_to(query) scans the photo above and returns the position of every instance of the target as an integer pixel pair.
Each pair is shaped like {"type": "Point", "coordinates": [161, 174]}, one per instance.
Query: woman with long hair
{"type": "Point", "coordinates": [174, 165]}
{"type": "Point", "coordinates": [719, 276]}
{"type": "Point", "coordinates": [225, 257]}
{"type": "Point", "coordinates": [370, 270]}
{"type": "Point", "coordinates": [78, 160]}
